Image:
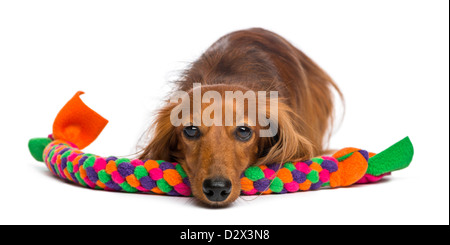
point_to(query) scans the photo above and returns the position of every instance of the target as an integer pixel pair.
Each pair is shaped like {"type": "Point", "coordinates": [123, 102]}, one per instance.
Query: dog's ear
{"type": "Point", "coordinates": [289, 144]}
{"type": "Point", "coordinates": [164, 142]}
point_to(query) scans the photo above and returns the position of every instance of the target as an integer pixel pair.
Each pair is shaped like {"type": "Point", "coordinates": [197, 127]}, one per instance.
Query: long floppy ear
{"type": "Point", "coordinates": [289, 144]}
{"type": "Point", "coordinates": [164, 142]}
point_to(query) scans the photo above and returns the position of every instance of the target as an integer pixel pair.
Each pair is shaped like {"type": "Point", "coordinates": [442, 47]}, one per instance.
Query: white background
{"type": "Point", "coordinates": [390, 58]}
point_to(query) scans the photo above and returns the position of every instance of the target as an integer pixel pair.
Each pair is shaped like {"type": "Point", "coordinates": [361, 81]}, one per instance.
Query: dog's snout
{"type": "Point", "coordinates": [217, 189]}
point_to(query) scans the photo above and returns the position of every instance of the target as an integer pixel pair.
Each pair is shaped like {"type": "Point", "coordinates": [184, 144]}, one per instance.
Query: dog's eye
{"type": "Point", "coordinates": [191, 132]}
{"type": "Point", "coordinates": [243, 133]}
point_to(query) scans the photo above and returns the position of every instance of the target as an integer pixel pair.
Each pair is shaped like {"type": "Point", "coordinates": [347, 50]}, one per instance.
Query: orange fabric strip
{"type": "Point", "coordinates": [77, 123]}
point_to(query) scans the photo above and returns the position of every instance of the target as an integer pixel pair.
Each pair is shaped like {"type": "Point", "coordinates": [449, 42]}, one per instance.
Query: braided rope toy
{"type": "Point", "coordinates": [76, 126]}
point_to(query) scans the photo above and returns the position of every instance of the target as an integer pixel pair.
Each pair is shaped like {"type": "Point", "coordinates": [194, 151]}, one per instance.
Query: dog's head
{"type": "Point", "coordinates": [215, 150]}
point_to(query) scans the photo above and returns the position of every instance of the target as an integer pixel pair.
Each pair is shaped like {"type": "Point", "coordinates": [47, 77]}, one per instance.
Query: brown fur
{"type": "Point", "coordinates": [257, 60]}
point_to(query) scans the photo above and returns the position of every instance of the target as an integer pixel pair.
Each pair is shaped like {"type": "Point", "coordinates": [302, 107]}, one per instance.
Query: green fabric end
{"type": "Point", "coordinates": [254, 173]}
{"type": "Point", "coordinates": [37, 146]}
{"type": "Point", "coordinates": [163, 185]}
{"type": "Point", "coordinates": [313, 176]}
{"type": "Point", "coordinates": [326, 184]}
{"type": "Point", "coordinates": [396, 157]}
{"type": "Point", "coordinates": [140, 172]}
{"type": "Point", "coordinates": [289, 166]}
{"type": "Point", "coordinates": [181, 171]}
{"type": "Point", "coordinates": [340, 159]}
{"type": "Point", "coordinates": [160, 161]}
{"type": "Point", "coordinates": [127, 187]}
{"type": "Point", "coordinates": [103, 176]}
{"type": "Point", "coordinates": [317, 160]}
{"type": "Point", "coordinates": [276, 185]}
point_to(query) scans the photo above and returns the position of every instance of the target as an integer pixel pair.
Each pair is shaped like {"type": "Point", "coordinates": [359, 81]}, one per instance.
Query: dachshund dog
{"type": "Point", "coordinates": [215, 156]}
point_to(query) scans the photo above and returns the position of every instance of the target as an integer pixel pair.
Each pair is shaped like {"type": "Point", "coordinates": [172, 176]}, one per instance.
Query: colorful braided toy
{"type": "Point", "coordinates": [76, 126]}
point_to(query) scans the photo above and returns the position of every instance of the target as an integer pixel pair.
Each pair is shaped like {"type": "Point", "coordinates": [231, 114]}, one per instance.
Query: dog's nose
{"type": "Point", "coordinates": [217, 189]}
